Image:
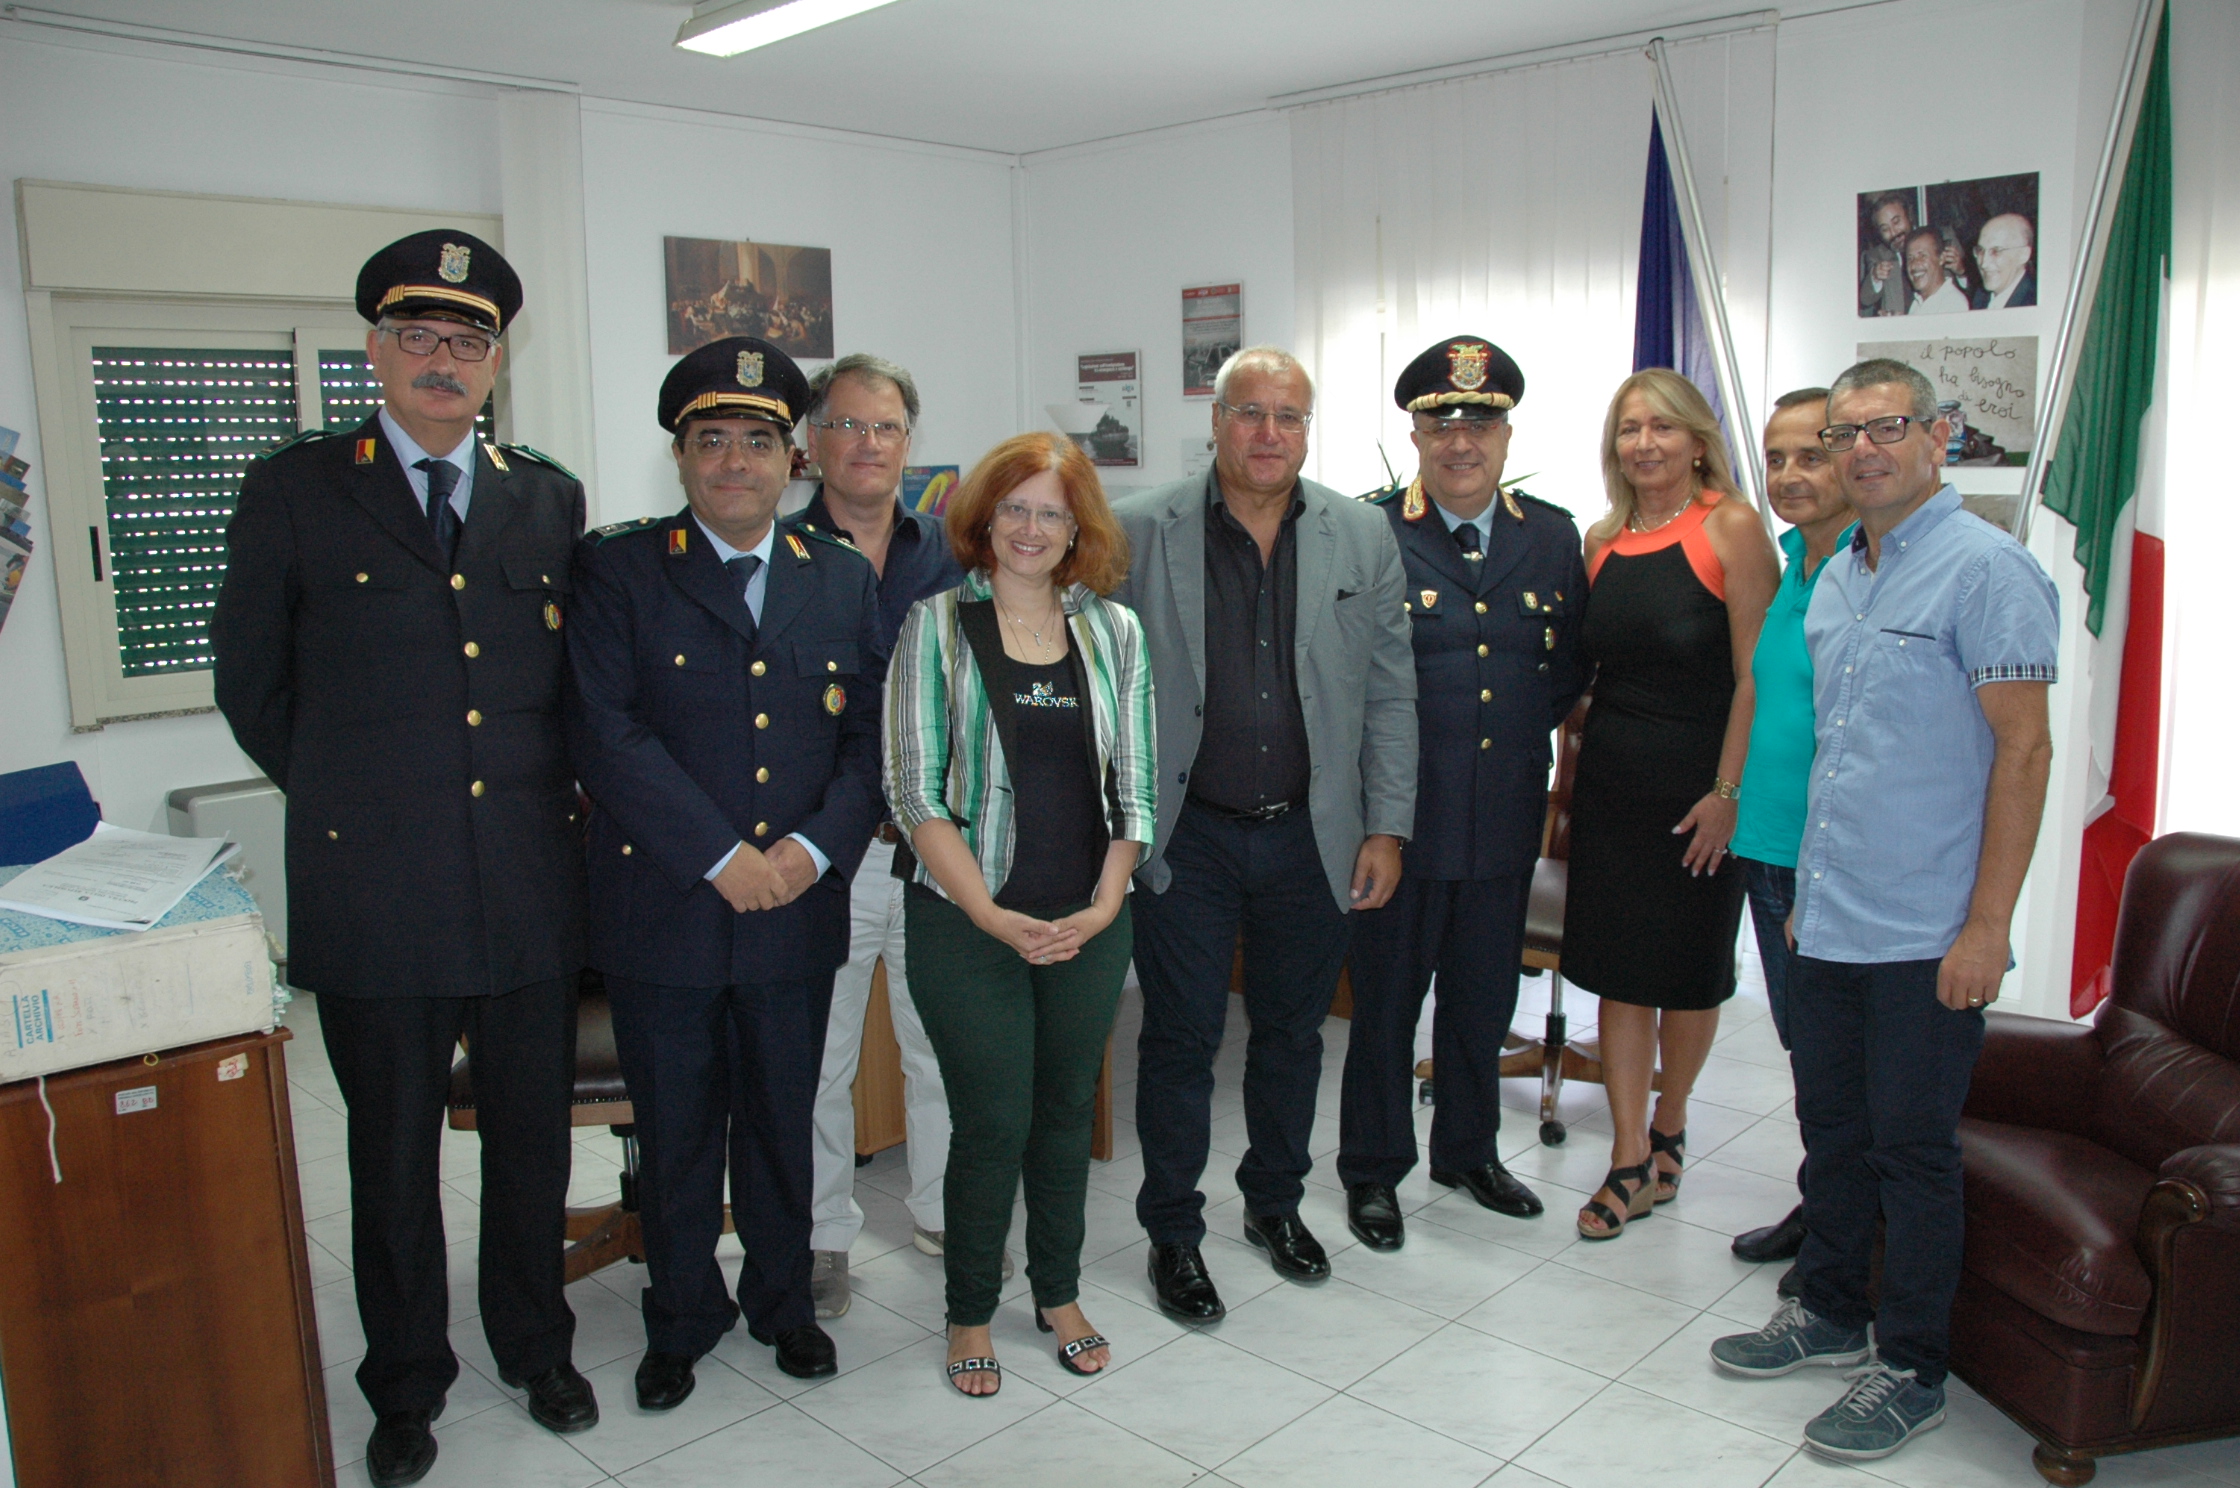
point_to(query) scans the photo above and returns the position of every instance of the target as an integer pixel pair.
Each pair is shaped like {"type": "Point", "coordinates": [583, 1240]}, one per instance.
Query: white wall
{"type": "Point", "coordinates": [1116, 230]}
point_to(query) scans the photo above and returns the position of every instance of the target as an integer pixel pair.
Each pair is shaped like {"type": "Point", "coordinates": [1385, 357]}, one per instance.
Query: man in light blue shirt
{"type": "Point", "coordinates": [1933, 641]}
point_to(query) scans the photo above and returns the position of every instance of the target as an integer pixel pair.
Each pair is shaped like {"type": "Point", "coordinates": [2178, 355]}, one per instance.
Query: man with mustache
{"type": "Point", "coordinates": [387, 649]}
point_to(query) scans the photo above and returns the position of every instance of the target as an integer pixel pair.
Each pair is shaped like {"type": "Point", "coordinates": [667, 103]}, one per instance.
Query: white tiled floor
{"type": "Point", "coordinates": [1489, 1350]}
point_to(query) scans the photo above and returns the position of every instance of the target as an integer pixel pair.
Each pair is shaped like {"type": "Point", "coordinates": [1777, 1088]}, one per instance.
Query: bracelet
{"type": "Point", "coordinates": [1726, 790]}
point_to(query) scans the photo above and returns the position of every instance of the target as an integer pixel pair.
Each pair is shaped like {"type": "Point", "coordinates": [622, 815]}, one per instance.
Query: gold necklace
{"type": "Point", "coordinates": [1634, 521]}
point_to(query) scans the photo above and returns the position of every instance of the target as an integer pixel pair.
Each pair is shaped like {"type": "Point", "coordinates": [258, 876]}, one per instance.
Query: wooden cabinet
{"type": "Point", "coordinates": [156, 1325]}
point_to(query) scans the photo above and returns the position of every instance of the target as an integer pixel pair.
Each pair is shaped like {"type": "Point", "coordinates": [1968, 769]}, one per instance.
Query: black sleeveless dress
{"type": "Point", "coordinates": [1637, 927]}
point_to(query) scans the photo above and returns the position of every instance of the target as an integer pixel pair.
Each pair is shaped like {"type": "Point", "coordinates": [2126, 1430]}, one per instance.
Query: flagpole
{"type": "Point", "coordinates": [1704, 272]}
{"type": "Point", "coordinates": [2092, 251]}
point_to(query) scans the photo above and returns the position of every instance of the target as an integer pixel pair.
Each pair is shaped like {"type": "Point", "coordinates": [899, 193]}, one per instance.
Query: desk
{"type": "Point", "coordinates": [156, 1327]}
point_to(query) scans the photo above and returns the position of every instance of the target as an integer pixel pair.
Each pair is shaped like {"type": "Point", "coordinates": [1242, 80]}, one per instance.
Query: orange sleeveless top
{"type": "Point", "coordinates": [1686, 530]}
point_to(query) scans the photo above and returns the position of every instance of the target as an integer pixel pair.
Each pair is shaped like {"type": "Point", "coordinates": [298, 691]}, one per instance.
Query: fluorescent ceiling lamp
{"type": "Point", "coordinates": [726, 28]}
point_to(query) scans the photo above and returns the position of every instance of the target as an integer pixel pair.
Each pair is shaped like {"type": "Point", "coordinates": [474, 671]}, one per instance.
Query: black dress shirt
{"type": "Point", "coordinates": [1253, 753]}
{"type": "Point", "coordinates": [919, 563]}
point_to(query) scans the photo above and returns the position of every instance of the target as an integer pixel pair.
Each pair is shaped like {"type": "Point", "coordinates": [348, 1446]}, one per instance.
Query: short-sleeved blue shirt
{"type": "Point", "coordinates": [1894, 824]}
{"type": "Point", "coordinates": [1777, 775]}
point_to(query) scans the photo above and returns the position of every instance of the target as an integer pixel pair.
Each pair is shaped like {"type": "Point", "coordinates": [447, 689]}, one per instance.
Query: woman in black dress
{"type": "Point", "coordinates": [1680, 572]}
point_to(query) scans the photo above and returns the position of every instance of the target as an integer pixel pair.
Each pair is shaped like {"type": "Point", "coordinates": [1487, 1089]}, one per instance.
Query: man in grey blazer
{"type": "Point", "coordinates": [1287, 746]}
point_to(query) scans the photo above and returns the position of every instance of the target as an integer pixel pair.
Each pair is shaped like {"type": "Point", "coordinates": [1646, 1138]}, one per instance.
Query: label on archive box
{"type": "Point", "coordinates": [140, 1098]}
{"type": "Point", "coordinates": [233, 1067]}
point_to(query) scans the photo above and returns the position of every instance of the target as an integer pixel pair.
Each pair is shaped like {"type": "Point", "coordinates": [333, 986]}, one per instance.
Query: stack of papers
{"type": "Point", "coordinates": [117, 879]}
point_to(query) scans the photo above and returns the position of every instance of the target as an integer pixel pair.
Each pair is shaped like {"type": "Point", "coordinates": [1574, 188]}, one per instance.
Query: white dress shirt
{"type": "Point", "coordinates": [409, 451]}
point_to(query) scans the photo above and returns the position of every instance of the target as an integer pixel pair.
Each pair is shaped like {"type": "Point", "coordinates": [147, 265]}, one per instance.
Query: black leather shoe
{"type": "Point", "coordinates": [807, 1352]}
{"type": "Point", "coordinates": [1292, 1248]}
{"type": "Point", "coordinates": [1185, 1290]}
{"type": "Point", "coordinates": [1789, 1286]}
{"type": "Point", "coordinates": [560, 1400]}
{"type": "Point", "coordinates": [1495, 1188]}
{"type": "Point", "coordinates": [1373, 1214]}
{"type": "Point", "coordinates": [1775, 1242]}
{"type": "Point", "coordinates": [402, 1449]}
{"type": "Point", "coordinates": [664, 1380]}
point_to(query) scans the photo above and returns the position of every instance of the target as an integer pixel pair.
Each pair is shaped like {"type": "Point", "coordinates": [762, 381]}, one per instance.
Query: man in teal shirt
{"type": "Point", "coordinates": [1801, 479]}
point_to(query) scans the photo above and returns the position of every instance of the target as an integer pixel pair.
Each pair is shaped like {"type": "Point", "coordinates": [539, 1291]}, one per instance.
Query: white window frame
{"type": "Point", "coordinates": [118, 267]}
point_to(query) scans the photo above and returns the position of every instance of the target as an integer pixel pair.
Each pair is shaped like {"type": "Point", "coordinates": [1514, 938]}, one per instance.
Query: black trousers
{"type": "Point", "coordinates": [723, 1076]}
{"type": "Point", "coordinates": [1471, 933]}
{"type": "Point", "coordinates": [1267, 878]}
{"type": "Point", "coordinates": [392, 1058]}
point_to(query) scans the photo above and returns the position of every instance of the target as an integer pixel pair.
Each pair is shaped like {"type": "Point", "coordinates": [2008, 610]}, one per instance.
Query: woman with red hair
{"type": "Point", "coordinates": [1019, 759]}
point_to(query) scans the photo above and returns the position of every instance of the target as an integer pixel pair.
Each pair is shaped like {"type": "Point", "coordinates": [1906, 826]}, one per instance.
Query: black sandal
{"type": "Point", "coordinates": [1075, 1349]}
{"type": "Point", "coordinates": [1668, 1184]}
{"type": "Point", "coordinates": [1632, 1186]}
{"type": "Point", "coordinates": [983, 1364]}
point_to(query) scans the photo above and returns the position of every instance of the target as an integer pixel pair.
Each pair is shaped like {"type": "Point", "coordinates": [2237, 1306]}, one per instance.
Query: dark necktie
{"type": "Point", "coordinates": [1466, 538]}
{"type": "Point", "coordinates": [742, 570]}
{"type": "Point", "coordinates": [443, 479]}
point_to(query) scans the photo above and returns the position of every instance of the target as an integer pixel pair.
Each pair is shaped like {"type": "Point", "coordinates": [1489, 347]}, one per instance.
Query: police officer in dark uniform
{"type": "Point", "coordinates": [388, 650]}
{"type": "Point", "coordinates": [1494, 589]}
{"type": "Point", "coordinates": [725, 722]}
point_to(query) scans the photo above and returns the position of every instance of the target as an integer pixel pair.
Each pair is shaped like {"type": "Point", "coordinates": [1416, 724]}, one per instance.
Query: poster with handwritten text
{"type": "Point", "coordinates": [1991, 383]}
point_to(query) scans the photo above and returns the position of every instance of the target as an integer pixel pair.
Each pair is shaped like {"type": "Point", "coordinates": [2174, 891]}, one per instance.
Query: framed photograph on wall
{"type": "Point", "coordinates": [1961, 245]}
{"type": "Point", "coordinates": [1212, 332]}
{"type": "Point", "coordinates": [778, 292]}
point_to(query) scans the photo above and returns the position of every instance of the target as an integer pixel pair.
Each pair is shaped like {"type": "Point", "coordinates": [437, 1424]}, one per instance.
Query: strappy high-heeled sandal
{"type": "Point", "coordinates": [1674, 1147]}
{"type": "Point", "coordinates": [958, 1368]}
{"type": "Point", "coordinates": [1074, 1350]}
{"type": "Point", "coordinates": [1631, 1185]}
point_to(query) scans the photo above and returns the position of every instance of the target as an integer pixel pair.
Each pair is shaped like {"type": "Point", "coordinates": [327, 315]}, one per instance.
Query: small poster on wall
{"type": "Point", "coordinates": [1989, 387]}
{"type": "Point", "coordinates": [1936, 250]}
{"type": "Point", "coordinates": [781, 293]}
{"type": "Point", "coordinates": [927, 488]}
{"type": "Point", "coordinates": [1112, 379]}
{"type": "Point", "coordinates": [1212, 332]}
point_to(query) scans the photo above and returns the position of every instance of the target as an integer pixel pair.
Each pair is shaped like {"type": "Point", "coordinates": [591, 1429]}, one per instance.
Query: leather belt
{"type": "Point", "coordinates": [889, 833]}
{"type": "Point", "coordinates": [1231, 813]}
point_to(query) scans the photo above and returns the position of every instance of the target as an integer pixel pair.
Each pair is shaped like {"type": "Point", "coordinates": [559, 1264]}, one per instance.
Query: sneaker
{"type": "Point", "coordinates": [828, 1283]}
{"type": "Point", "coordinates": [1883, 1410]}
{"type": "Point", "coordinates": [935, 1242]}
{"type": "Point", "coordinates": [1792, 1339]}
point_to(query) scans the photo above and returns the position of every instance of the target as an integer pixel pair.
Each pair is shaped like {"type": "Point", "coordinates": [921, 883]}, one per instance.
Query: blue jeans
{"type": "Point", "coordinates": [1882, 1070]}
{"type": "Point", "coordinates": [1773, 892]}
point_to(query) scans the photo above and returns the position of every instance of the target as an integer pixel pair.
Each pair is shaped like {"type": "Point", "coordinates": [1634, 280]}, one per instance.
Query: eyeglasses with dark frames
{"type": "Point", "coordinates": [1837, 438]}
{"type": "Point", "coordinates": [466, 346]}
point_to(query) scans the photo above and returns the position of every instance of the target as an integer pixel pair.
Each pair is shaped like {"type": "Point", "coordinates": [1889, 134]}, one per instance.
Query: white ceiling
{"type": "Point", "coordinates": [1009, 75]}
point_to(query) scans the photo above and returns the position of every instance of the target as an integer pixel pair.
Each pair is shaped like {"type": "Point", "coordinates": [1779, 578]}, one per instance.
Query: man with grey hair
{"type": "Point", "coordinates": [1286, 690]}
{"type": "Point", "coordinates": [1933, 638]}
{"type": "Point", "coordinates": [2005, 248]}
{"type": "Point", "coordinates": [862, 410]}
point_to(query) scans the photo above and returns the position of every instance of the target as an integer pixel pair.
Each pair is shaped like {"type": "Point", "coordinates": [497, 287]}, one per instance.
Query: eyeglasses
{"type": "Point", "coordinates": [466, 346]}
{"type": "Point", "coordinates": [1837, 438]}
{"type": "Point", "coordinates": [882, 432]}
{"type": "Point", "coordinates": [1469, 428]}
{"type": "Point", "coordinates": [714, 444]}
{"type": "Point", "coordinates": [1286, 420]}
{"type": "Point", "coordinates": [1018, 514]}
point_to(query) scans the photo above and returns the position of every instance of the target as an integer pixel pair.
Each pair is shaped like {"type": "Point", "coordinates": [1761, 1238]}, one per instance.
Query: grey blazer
{"type": "Point", "coordinates": [1354, 656]}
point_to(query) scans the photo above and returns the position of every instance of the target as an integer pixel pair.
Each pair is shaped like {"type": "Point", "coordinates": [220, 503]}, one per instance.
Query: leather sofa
{"type": "Point", "coordinates": [2099, 1304]}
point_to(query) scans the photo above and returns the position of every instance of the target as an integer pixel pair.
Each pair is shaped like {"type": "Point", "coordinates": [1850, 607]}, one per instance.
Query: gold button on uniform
{"type": "Point", "coordinates": [361, 578]}
{"type": "Point", "coordinates": [626, 849]}
{"type": "Point", "coordinates": [475, 789]}
{"type": "Point", "coordinates": [458, 581]}
{"type": "Point", "coordinates": [1485, 743]}
{"type": "Point", "coordinates": [758, 669]}
{"type": "Point", "coordinates": [832, 666]}
{"type": "Point", "coordinates": [680, 658]}
{"type": "Point", "coordinates": [1485, 694]}
{"type": "Point", "coordinates": [762, 829]}
{"type": "Point", "coordinates": [334, 836]}
{"type": "Point", "coordinates": [472, 649]}
{"type": "Point", "coordinates": [1482, 651]}
{"type": "Point", "coordinates": [762, 720]}
{"type": "Point", "coordinates": [1481, 607]}
{"type": "Point", "coordinates": [762, 776]}
{"type": "Point", "coordinates": [474, 718]}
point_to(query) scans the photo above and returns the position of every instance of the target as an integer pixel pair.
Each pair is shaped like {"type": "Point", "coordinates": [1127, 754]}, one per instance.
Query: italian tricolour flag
{"type": "Point", "coordinates": [2106, 478]}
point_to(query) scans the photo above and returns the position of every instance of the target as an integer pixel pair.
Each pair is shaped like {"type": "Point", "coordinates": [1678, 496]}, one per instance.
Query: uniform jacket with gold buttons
{"type": "Point", "coordinates": [1497, 668]}
{"type": "Point", "coordinates": [412, 713]}
{"type": "Point", "coordinates": [691, 737]}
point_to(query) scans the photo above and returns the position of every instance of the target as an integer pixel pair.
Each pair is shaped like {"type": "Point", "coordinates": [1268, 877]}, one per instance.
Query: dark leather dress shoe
{"type": "Point", "coordinates": [1373, 1214]}
{"type": "Point", "coordinates": [560, 1400]}
{"type": "Point", "coordinates": [807, 1352]}
{"type": "Point", "coordinates": [664, 1380]}
{"type": "Point", "coordinates": [1775, 1242]}
{"type": "Point", "coordinates": [1185, 1290]}
{"type": "Point", "coordinates": [402, 1449]}
{"type": "Point", "coordinates": [1495, 1188]}
{"type": "Point", "coordinates": [1292, 1248]}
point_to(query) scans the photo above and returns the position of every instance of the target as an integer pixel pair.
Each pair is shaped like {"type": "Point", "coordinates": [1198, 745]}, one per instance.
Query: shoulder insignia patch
{"type": "Point", "coordinates": [1382, 496]}
{"type": "Point", "coordinates": [800, 548]}
{"type": "Point", "coordinates": [537, 455]}
{"type": "Point", "coordinates": [1526, 496]}
{"type": "Point", "coordinates": [617, 529]}
{"type": "Point", "coordinates": [310, 436]}
{"type": "Point", "coordinates": [1414, 504]}
{"type": "Point", "coordinates": [817, 534]}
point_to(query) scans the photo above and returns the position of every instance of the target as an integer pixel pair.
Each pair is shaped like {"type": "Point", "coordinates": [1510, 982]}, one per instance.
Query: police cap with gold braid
{"type": "Point", "coordinates": [1461, 377]}
{"type": "Point", "coordinates": [737, 377]}
{"type": "Point", "coordinates": [441, 272]}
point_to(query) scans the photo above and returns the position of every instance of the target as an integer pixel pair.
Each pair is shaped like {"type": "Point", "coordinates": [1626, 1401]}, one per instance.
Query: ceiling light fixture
{"type": "Point", "coordinates": [725, 28]}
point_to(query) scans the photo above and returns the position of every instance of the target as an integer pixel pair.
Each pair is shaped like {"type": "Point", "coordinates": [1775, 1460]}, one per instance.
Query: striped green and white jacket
{"type": "Point", "coordinates": [943, 759]}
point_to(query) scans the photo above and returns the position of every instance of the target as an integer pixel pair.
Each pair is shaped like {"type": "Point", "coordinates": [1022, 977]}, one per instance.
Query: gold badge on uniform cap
{"type": "Point", "coordinates": [451, 264]}
{"type": "Point", "coordinates": [1466, 366]}
{"type": "Point", "coordinates": [676, 541]}
{"type": "Point", "coordinates": [835, 699]}
{"type": "Point", "coordinates": [551, 615]}
{"type": "Point", "coordinates": [1429, 597]}
{"type": "Point", "coordinates": [750, 369]}
{"type": "Point", "coordinates": [365, 451]}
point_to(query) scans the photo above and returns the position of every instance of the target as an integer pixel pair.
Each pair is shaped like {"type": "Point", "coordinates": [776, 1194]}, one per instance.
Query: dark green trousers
{"type": "Point", "coordinates": [1020, 1047]}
